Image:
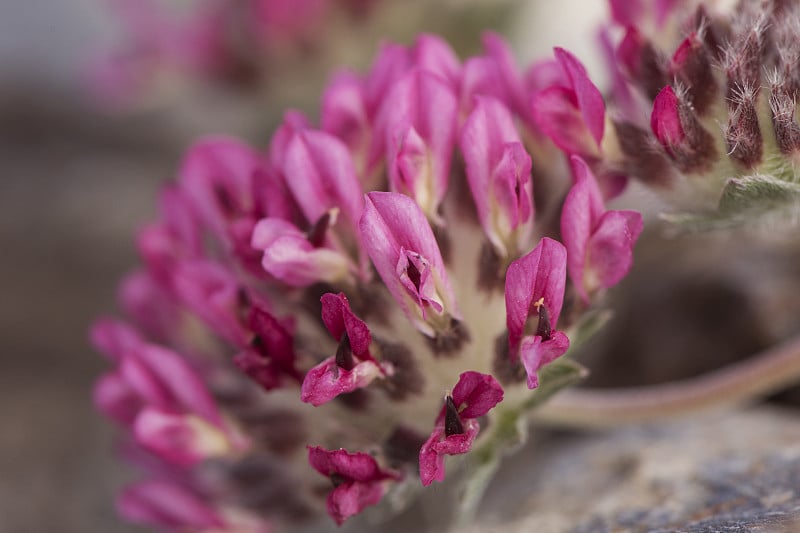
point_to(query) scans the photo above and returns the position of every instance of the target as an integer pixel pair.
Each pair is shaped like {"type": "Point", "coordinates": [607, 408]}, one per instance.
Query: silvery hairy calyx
{"type": "Point", "coordinates": [336, 322]}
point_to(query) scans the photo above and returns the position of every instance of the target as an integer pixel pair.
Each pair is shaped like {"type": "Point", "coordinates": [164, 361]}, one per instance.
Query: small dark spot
{"type": "Point", "coordinates": [337, 479]}
{"type": "Point", "coordinates": [316, 234]}
{"type": "Point", "coordinates": [403, 445]}
{"type": "Point", "coordinates": [407, 378]}
{"type": "Point", "coordinates": [508, 372]}
{"type": "Point", "coordinates": [452, 422]}
{"type": "Point", "coordinates": [544, 329]}
{"type": "Point", "coordinates": [450, 341]}
{"type": "Point", "coordinates": [344, 354]}
{"type": "Point", "coordinates": [490, 276]}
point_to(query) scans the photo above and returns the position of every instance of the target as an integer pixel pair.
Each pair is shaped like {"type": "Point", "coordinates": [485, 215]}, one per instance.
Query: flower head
{"type": "Point", "coordinates": [322, 295]}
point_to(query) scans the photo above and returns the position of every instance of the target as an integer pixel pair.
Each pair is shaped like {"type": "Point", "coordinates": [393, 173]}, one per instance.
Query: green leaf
{"type": "Point", "coordinates": [750, 192]}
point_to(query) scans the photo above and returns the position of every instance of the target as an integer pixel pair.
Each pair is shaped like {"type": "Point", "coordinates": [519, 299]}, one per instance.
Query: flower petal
{"type": "Point", "coordinates": [590, 101]}
{"type": "Point", "coordinates": [291, 258]}
{"type": "Point", "coordinates": [665, 121]}
{"type": "Point", "coordinates": [536, 352]}
{"type": "Point", "coordinates": [498, 173]}
{"type": "Point", "coordinates": [349, 499]}
{"type": "Point", "coordinates": [182, 439]}
{"type": "Point", "coordinates": [479, 393]}
{"type": "Point", "coordinates": [328, 380]}
{"type": "Point", "coordinates": [164, 503]}
{"type": "Point", "coordinates": [541, 274]}
{"type": "Point", "coordinates": [340, 319]}
{"type": "Point", "coordinates": [610, 249]}
{"type": "Point", "coordinates": [391, 224]}
{"type": "Point", "coordinates": [583, 207]}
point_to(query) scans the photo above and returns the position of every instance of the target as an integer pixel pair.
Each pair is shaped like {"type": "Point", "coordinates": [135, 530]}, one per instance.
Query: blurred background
{"type": "Point", "coordinates": [81, 169]}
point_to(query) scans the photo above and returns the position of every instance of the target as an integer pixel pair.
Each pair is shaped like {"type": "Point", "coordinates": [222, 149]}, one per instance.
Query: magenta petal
{"type": "Point", "coordinates": [183, 383]}
{"type": "Point", "coordinates": [583, 207]}
{"type": "Point", "coordinates": [432, 53]}
{"type": "Point", "coordinates": [216, 175]}
{"type": "Point", "coordinates": [181, 439]}
{"type": "Point", "coordinates": [498, 172]}
{"type": "Point", "coordinates": [291, 258]}
{"type": "Point", "coordinates": [509, 75]}
{"type": "Point", "coordinates": [610, 249]}
{"type": "Point", "coordinates": [259, 368]}
{"type": "Point", "coordinates": [320, 173]}
{"type": "Point", "coordinates": [344, 109]}
{"type": "Point", "coordinates": [555, 113]}
{"type": "Point", "coordinates": [460, 443]}
{"type": "Point", "coordinates": [539, 274]}
{"type": "Point", "coordinates": [339, 318]}
{"type": "Point", "coordinates": [360, 477]}
{"type": "Point", "coordinates": [116, 399]}
{"type": "Point", "coordinates": [349, 499]}
{"type": "Point", "coordinates": [391, 224]}
{"type": "Point", "coordinates": [163, 503]}
{"type": "Point", "coordinates": [431, 455]}
{"type": "Point", "coordinates": [419, 117]}
{"type": "Point", "coordinates": [113, 338]}
{"type": "Point", "coordinates": [211, 292]}
{"type": "Point", "coordinates": [293, 123]}
{"type": "Point", "coordinates": [479, 393]}
{"type": "Point", "coordinates": [665, 121]}
{"type": "Point", "coordinates": [431, 462]}
{"type": "Point", "coordinates": [536, 352]}
{"type": "Point", "coordinates": [590, 101]}
{"type": "Point", "coordinates": [327, 380]}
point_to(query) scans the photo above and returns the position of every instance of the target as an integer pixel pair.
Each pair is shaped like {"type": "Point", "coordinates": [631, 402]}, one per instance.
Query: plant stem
{"type": "Point", "coordinates": [759, 376]}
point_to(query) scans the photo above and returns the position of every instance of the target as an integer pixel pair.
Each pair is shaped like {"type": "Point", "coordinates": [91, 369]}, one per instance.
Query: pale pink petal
{"type": "Point", "coordinates": [582, 208]}
{"type": "Point", "coordinates": [555, 112]}
{"type": "Point", "coordinates": [181, 439]}
{"type": "Point", "coordinates": [393, 224]}
{"type": "Point", "coordinates": [113, 338]}
{"type": "Point", "coordinates": [432, 53]}
{"type": "Point", "coordinates": [328, 380]}
{"type": "Point", "coordinates": [162, 503]}
{"type": "Point", "coordinates": [536, 352]}
{"type": "Point", "coordinates": [590, 101]}
{"type": "Point", "coordinates": [541, 274]}
{"type": "Point", "coordinates": [610, 249]}
{"type": "Point", "coordinates": [320, 173]}
{"type": "Point", "coordinates": [115, 398]}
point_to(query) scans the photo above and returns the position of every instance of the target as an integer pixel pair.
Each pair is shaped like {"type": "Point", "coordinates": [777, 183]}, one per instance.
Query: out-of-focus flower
{"type": "Point", "coordinates": [315, 302]}
{"type": "Point", "coordinates": [211, 40]}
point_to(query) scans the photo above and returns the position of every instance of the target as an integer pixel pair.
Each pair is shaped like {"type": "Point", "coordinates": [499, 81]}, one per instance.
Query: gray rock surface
{"type": "Point", "coordinates": [726, 471]}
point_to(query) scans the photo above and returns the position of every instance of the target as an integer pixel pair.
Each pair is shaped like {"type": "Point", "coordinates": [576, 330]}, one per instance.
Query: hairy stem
{"type": "Point", "coordinates": [761, 375]}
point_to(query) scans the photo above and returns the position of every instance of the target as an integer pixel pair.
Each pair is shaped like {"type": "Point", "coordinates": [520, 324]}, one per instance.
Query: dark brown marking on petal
{"type": "Point", "coordinates": [357, 400]}
{"type": "Point", "coordinates": [543, 329]}
{"type": "Point", "coordinates": [344, 354]}
{"type": "Point", "coordinates": [258, 483]}
{"type": "Point", "coordinates": [402, 446]}
{"type": "Point", "coordinates": [490, 276]}
{"type": "Point", "coordinates": [414, 274]}
{"type": "Point", "coordinates": [316, 234]}
{"type": "Point", "coordinates": [407, 378]}
{"type": "Point", "coordinates": [506, 370]}
{"type": "Point", "coordinates": [337, 479]}
{"type": "Point", "coordinates": [277, 430]}
{"type": "Point", "coordinates": [449, 341]}
{"type": "Point", "coordinates": [452, 421]}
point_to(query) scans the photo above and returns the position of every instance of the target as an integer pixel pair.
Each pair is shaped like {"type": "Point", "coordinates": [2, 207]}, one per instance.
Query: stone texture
{"type": "Point", "coordinates": [729, 471]}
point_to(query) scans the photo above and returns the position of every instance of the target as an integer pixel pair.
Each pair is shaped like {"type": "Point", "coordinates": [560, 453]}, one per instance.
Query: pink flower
{"type": "Point", "coordinates": [535, 290]}
{"type": "Point", "coordinates": [357, 478]}
{"type": "Point", "coordinates": [353, 367]}
{"type": "Point", "coordinates": [599, 242]}
{"type": "Point", "coordinates": [456, 427]}
{"type": "Point", "coordinates": [402, 247]}
{"type": "Point", "coordinates": [572, 114]}
{"type": "Point", "coordinates": [498, 172]}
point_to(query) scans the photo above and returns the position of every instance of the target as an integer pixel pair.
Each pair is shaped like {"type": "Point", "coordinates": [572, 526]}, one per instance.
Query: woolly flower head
{"type": "Point", "coordinates": [321, 324]}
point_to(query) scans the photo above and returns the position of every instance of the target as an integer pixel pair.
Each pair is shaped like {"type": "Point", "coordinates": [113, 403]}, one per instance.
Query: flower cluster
{"type": "Point", "coordinates": [364, 297]}
{"type": "Point", "coordinates": [719, 88]}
